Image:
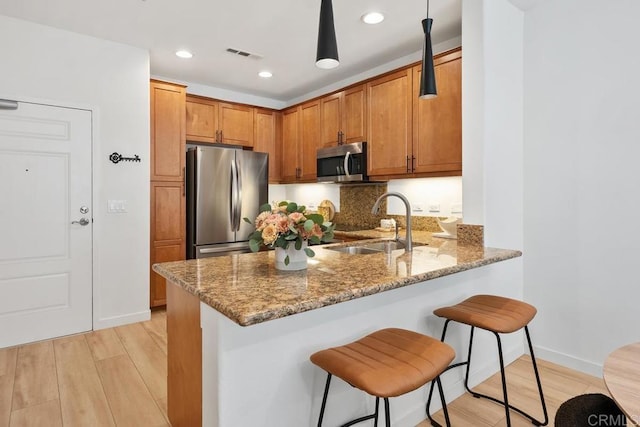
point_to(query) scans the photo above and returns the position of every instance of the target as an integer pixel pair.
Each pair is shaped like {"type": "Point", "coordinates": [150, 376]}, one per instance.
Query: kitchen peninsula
{"type": "Point", "coordinates": [259, 326]}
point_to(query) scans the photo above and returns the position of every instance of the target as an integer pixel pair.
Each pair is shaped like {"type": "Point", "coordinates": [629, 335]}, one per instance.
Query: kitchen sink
{"type": "Point", "coordinates": [360, 250]}
{"type": "Point", "coordinates": [371, 248]}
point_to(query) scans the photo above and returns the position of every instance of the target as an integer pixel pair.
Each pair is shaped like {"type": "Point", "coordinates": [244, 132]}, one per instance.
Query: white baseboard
{"type": "Point", "coordinates": [454, 389]}
{"type": "Point", "coordinates": [110, 322]}
{"type": "Point", "coordinates": [569, 361]}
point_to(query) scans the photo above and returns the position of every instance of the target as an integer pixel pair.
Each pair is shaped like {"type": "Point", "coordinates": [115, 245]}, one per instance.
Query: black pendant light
{"type": "Point", "coordinates": [327, 54]}
{"type": "Point", "coordinates": [428, 75]}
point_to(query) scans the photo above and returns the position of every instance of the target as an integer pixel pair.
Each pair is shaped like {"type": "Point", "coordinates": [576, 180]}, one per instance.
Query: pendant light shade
{"type": "Point", "coordinates": [428, 75]}
{"type": "Point", "coordinates": [327, 53]}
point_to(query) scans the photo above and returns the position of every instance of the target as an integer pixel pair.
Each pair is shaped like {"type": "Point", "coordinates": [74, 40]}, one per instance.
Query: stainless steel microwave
{"type": "Point", "coordinates": [343, 163]}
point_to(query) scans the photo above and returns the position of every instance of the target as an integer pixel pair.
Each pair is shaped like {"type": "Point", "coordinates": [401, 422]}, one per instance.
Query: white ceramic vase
{"type": "Point", "coordinates": [297, 258]}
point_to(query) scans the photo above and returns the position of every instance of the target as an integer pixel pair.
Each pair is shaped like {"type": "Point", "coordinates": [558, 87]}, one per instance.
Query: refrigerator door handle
{"type": "Point", "coordinates": [238, 195]}
{"type": "Point", "coordinates": [233, 194]}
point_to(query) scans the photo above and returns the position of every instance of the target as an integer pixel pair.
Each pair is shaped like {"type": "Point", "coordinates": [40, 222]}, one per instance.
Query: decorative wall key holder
{"type": "Point", "coordinates": [117, 157]}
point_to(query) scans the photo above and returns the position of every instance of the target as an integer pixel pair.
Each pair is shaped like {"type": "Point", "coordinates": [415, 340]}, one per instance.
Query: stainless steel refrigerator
{"type": "Point", "coordinates": [224, 185]}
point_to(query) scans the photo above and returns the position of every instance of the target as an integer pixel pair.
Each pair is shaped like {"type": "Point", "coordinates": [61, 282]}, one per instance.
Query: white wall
{"type": "Point", "coordinates": [64, 68]}
{"type": "Point", "coordinates": [492, 76]}
{"type": "Point", "coordinates": [492, 136]}
{"type": "Point", "coordinates": [582, 145]}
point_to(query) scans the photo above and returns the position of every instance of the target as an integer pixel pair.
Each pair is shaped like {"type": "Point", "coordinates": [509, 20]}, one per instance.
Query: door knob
{"type": "Point", "coordinates": [82, 222]}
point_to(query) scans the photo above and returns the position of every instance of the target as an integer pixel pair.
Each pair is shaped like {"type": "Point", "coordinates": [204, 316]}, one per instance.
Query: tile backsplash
{"type": "Point", "coordinates": [429, 198]}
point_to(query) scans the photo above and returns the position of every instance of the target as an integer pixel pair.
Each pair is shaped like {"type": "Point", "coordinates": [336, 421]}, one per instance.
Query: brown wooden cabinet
{"type": "Point", "coordinates": [389, 124]}
{"type": "Point", "coordinates": [309, 140]}
{"type": "Point", "coordinates": [300, 139]}
{"type": "Point", "coordinates": [213, 121]}
{"type": "Point", "coordinates": [202, 119]}
{"type": "Point", "coordinates": [167, 131]}
{"type": "Point", "coordinates": [167, 232]}
{"type": "Point", "coordinates": [411, 137]}
{"type": "Point", "coordinates": [267, 139]}
{"type": "Point", "coordinates": [437, 123]}
{"type": "Point", "coordinates": [167, 226]}
{"type": "Point", "coordinates": [343, 117]}
{"type": "Point", "coordinates": [290, 138]}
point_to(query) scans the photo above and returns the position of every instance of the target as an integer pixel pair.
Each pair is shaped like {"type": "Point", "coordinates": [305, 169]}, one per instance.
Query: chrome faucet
{"type": "Point", "coordinates": [376, 208]}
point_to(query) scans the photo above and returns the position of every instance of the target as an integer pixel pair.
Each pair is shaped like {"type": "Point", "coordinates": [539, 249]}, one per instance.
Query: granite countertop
{"type": "Point", "coordinates": [249, 290]}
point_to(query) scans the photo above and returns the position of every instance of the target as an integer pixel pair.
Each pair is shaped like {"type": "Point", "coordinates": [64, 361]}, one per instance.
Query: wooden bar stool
{"type": "Point", "coordinates": [498, 315]}
{"type": "Point", "coordinates": [384, 364]}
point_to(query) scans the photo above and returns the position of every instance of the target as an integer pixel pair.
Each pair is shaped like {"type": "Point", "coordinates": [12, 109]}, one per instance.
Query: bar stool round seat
{"type": "Point", "coordinates": [386, 363]}
{"type": "Point", "coordinates": [498, 315]}
{"type": "Point", "coordinates": [490, 312]}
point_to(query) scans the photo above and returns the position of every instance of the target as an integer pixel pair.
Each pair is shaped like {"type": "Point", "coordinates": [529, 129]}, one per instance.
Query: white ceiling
{"type": "Point", "coordinates": [282, 32]}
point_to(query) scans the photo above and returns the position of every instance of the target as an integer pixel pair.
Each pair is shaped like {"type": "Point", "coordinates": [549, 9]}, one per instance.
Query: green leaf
{"type": "Point", "coordinates": [292, 207]}
{"type": "Point", "coordinates": [283, 203]}
{"type": "Point", "coordinates": [256, 235]}
{"type": "Point", "coordinates": [327, 236]}
{"type": "Point", "coordinates": [254, 245]}
{"type": "Point", "coordinates": [286, 260]}
{"type": "Point", "coordinates": [302, 208]}
{"type": "Point", "coordinates": [316, 218]}
{"type": "Point", "coordinates": [309, 252]}
{"type": "Point", "coordinates": [298, 244]}
{"type": "Point", "coordinates": [280, 242]}
{"type": "Point", "coordinates": [314, 240]}
{"type": "Point", "coordinates": [245, 219]}
{"type": "Point", "coordinates": [308, 225]}
{"type": "Point", "coordinates": [265, 208]}
{"type": "Point", "coordinates": [291, 237]}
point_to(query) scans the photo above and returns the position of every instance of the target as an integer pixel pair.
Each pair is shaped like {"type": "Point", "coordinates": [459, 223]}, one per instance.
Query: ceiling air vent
{"type": "Point", "coordinates": [243, 53]}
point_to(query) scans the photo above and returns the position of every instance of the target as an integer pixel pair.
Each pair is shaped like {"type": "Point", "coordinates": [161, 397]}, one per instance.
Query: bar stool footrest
{"type": "Point", "coordinates": [511, 407]}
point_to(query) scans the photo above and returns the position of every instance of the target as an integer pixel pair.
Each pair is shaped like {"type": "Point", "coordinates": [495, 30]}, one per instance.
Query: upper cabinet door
{"type": "Point", "coordinates": [202, 119]}
{"type": "Point", "coordinates": [290, 138]}
{"type": "Point", "coordinates": [309, 140]}
{"type": "Point", "coordinates": [266, 140]}
{"type": "Point", "coordinates": [167, 131]}
{"type": "Point", "coordinates": [437, 122]}
{"type": "Point", "coordinates": [354, 114]}
{"type": "Point", "coordinates": [389, 124]}
{"type": "Point", "coordinates": [331, 117]}
{"type": "Point", "coordinates": [236, 124]}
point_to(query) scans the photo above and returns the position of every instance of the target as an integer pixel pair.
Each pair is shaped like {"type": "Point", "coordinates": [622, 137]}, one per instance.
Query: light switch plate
{"type": "Point", "coordinates": [116, 206]}
{"type": "Point", "coordinates": [434, 207]}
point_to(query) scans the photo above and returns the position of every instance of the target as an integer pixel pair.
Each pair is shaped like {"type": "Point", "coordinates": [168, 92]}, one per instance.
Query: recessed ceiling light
{"type": "Point", "coordinates": [185, 54]}
{"type": "Point", "coordinates": [265, 74]}
{"type": "Point", "coordinates": [372, 18]}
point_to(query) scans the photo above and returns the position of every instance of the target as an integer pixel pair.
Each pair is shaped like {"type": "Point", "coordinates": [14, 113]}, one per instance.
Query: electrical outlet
{"type": "Point", "coordinates": [312, 206]}
{"type": "Point", "coordinates": [456, 208]}
{"type": "Point", "coordinates": [434, 207]}
{"type": "Point", "coordinates": [418, 207]}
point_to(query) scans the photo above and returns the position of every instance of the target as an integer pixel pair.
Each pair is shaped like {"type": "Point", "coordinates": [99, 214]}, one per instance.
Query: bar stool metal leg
{"type": "Point", "coordinates": [373, 416]}
{"type": "Point", "coordinates": [442, 400]}
{"type": "Point", "coordinates": [504, 402]}
{"type": "Point", "coordinates": [324, 399]}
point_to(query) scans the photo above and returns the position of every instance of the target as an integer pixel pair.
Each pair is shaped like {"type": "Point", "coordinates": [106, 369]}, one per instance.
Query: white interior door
{"type": "Point", "coordinates": [45, 223]}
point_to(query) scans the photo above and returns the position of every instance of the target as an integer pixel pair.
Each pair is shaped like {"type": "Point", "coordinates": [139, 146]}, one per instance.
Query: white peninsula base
{"type": "Point", "coordinates": [261, 376]}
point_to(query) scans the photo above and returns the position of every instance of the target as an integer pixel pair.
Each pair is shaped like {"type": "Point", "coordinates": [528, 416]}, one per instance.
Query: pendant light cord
{"type": "Point", "coordinates": [427, 9]}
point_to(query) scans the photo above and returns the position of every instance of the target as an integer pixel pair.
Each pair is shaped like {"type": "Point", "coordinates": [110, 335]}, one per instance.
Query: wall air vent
{"type": "Point", "coordinates": [243, 53]}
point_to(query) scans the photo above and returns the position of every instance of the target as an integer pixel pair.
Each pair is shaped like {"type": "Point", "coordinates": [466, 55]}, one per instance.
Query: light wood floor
{"type": "Point", "coordinates": [110, 377]}
{"type": "Point", "coordinates": [118, 377]}
{"type": "Point", "coordinates": [558, 384]}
